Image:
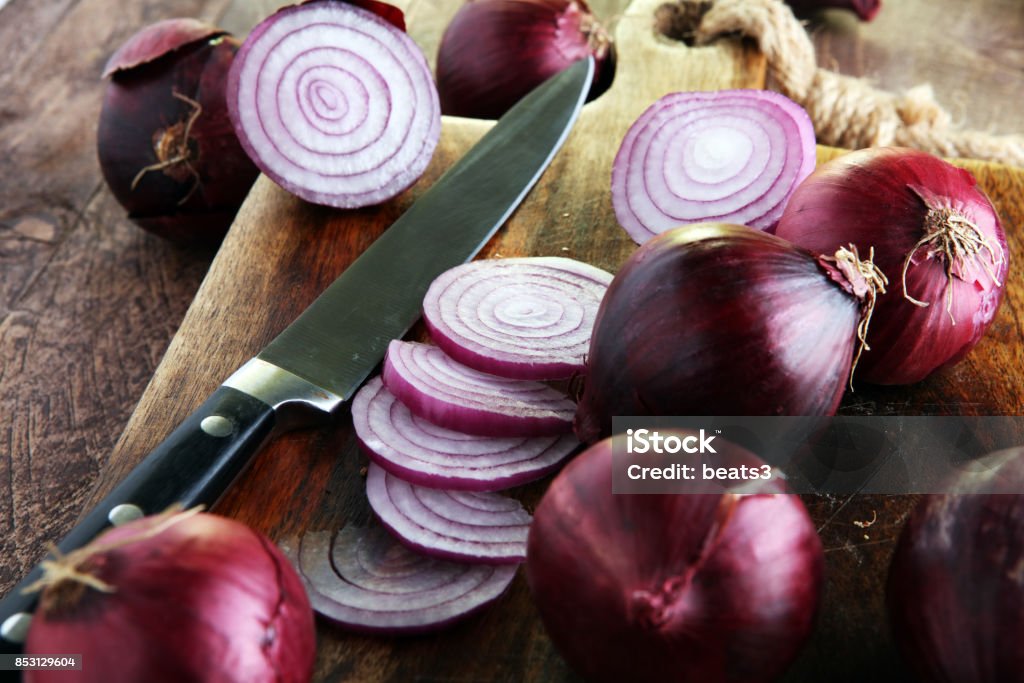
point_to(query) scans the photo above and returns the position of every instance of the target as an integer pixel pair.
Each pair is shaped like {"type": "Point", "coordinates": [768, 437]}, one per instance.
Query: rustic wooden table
{"type": "Point", "coordinates": [89, 303]}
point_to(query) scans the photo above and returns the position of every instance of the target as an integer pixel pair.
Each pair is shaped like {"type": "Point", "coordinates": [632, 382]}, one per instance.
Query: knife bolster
{"type": "Point", "coordinates": [297, 402]}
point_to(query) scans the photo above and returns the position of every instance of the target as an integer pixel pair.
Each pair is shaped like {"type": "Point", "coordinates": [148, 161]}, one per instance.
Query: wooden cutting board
{"type": "Point", "coordinates": [281, 252]}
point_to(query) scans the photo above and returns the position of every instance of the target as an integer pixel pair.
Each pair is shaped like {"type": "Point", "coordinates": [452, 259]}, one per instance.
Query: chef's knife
{"type": "Point", "coordinates": [318, 362]}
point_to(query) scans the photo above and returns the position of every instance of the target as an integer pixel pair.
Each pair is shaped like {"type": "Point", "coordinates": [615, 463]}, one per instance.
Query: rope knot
{"type": "Point", "coordinates": [846, 111]}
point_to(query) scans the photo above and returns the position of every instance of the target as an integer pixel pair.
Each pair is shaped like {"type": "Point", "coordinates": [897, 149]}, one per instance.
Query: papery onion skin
{"type": "Point", "coordinates": [390, 13]}
{"type": "Point", "coordinates": [158, 40]}
{"type": "Point", "coordinates": [716, 319]}
{"type": "Point", "coordinates": [956, 584]}
{"type": "Point", "coordinates": [422, 453]}
{"type": "Point", "coordinates": [206, 599]}
{"type": "Point", "coordinates": [730, 156]}
{"type": "Point", "coordinates": [522, 318]}
{"type": "Point", "coordinates": [335, 103]}
{"type": "Point", "coordinates": [689, 588]}
{"type": "Point", "coordinates": [866, 10]}
{"type": "Point", "coordinates": [877, 198]}
{"type": "Point", "coordinates": [198, 172]}
{"type": "Point", "coordinates": [494, 52]}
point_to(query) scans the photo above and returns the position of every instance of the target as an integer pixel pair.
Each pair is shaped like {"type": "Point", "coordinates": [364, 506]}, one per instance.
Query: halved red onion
{"type": "Point", "coordinates": [335, 104]}
{"type": "Point", "coordinates": [732, 156]}
{"type": "Point", "coordinates": [442, 390]}
{"type": "Point", "coordinates": [422, 453]}
{"type": "Point", "coordinates": [525, 318]}
{"type": "Point", "coordinates": [366, 580]}
{"type": "Point", "coordinates": [455, 525]}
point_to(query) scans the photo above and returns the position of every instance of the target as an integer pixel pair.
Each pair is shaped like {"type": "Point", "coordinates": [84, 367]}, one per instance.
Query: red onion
{"type": "Point", "coordinates": [494, 52]}
{"type": "Point", "coordinates": [367, 581]}
{"type": "Point", "coordinates": [732, 156]}
{"type": "Point", "coordinates": [165, 143]}
{"type": "Point", "coordinates": [451, 395]}
{"type": "Point", "coordinates": [706, 588]}
{"type": "Point", "coordinates": [864, 9]}
{"type": "Point", "coordinates": [423, 453]}
{"type": "Point", "coordinates": [524, 318]}
{"type": "Point", "coordinates": [455, 525]}
{"type": "Point", "coordinates": [716, 319]}
{"type": "Point", "coordinates": [935, 234]}
{"type": "Point", "coordinates": [956, 584]}
{"type": "Point", "coordinates": [335, 104]}
{"type": "Point", "coordinates": [176, 597]}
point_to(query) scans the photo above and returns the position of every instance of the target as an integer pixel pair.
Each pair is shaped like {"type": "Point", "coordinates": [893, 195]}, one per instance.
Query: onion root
{"type": "Point", "coordinates": [956, 239]}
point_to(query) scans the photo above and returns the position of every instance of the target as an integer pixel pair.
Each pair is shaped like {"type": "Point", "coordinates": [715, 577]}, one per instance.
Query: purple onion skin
{"type": "Point", "coordinates": [142, 124]}
{"type": "Point", "coordinates": [956, 583]}
{"type": "Point", "coordinates": [865, 198]}
{"type": "Point", "coordinates": [685, 588]}
{"type": "Point", "coordinates": [866, 10]}
{"type": "Point", "coordinates": [206, 599]}
{"type": "Point", "coordinates": [159, 39]}
{"type": "Point", "coordinates": [494, 52]}
{"type": "Point", "coordinates": [716, 319]}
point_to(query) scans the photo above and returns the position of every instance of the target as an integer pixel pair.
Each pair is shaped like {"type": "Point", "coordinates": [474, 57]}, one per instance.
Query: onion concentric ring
{"type": "Point", "coordinates": [366, 580]}
{"type": "Point", "coordinates": [730, 156]}
{"type": "Point", "coordinates": [335, 104]}
{"type": "Point", "coordinates": [456, 525]}
{"type": "Point", "coordinates": [449, 394]}
{"type": "Point", "coordinates": [423, 453]}
{"type": "Point", "coordinates": [525, 318]}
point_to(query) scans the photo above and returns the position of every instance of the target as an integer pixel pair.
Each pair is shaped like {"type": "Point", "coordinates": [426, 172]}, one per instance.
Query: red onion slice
{"type": "Point", "coordinates": [524, 318]}
{"type": "Point", "coordinates": [449, 394]}
{"type": "Point", "coordinates": [422, 453]}
{"type": "Point", "coordinates": [335, 104]}
{"type": "Point", "coordinates": [732, 156]}
{"type": "Point", "coordinates": [366, 580]}
{"type": "Point", "coordinates": [455, 525]}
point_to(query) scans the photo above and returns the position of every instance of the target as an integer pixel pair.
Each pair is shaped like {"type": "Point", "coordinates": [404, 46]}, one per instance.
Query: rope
{"type": "Point", "coordinates": [849, 112]}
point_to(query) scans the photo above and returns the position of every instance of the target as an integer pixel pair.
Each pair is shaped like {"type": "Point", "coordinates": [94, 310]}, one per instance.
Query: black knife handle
{"type": "Point", "coordinates": [194, 465]}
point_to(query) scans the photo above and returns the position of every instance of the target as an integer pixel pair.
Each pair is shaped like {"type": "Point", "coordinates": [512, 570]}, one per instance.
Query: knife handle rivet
{"type": "Point", "coordinates": [124, 513]}
{"type": "Point", "coordinates": [15, 627]}
{"type": "Point", "coordinates": [217, 425]}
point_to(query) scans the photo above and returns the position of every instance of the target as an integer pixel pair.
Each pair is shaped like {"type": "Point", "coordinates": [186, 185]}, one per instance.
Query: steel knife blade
{"type": "Point", "coordinates": [317, 363]}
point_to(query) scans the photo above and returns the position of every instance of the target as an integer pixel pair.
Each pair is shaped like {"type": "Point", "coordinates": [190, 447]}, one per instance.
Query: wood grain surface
{"type": "Point", "coordinates": [89, 304]}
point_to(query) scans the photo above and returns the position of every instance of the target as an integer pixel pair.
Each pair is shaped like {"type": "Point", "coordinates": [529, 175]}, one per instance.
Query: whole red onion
{"type": "Point", "coordinates": [495, 51]}
{"type": "Point", "coordinates": [165, 143]}
{"type": "Point", "coordinates": [687, 587]}
{"type": "Point", "coordinates": [956, 584]}
{"type": "Point", "coordinates": [716, 319]}
{"type": "Point", "coordinates": [176, 597]}
{"type": "Point", "coordinates": [935, 235]}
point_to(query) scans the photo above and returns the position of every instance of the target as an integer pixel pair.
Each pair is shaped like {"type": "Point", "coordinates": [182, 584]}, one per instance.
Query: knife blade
{"type": "Point", "coordinates": [306, 374]}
